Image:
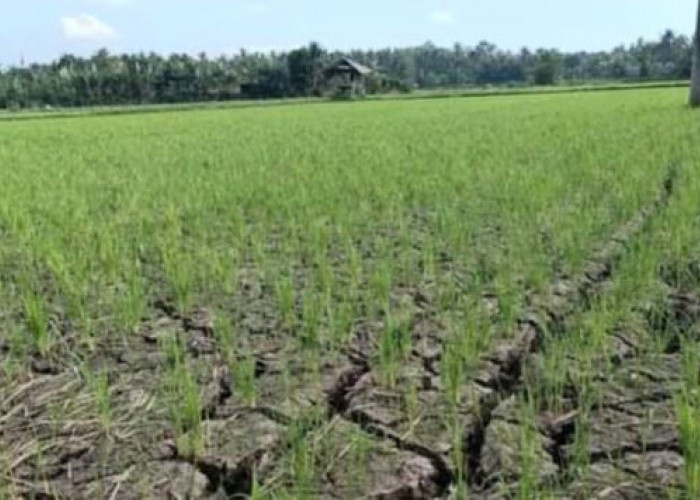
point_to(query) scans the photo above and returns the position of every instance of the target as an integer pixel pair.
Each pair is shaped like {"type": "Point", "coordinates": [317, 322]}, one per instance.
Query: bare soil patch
{"type": "Point", "coordinates": [364, 434]}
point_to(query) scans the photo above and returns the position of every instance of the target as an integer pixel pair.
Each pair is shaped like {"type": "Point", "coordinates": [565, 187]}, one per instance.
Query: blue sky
{"type": "Point", "coordinates": [41, 30]}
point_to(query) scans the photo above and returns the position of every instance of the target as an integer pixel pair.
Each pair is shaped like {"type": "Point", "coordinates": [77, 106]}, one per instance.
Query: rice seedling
{"type": "Point", "coordinates": [341, 250]}
{"type": "Point", "coordinates": [102, 395]}
{"type": "Point", "coordinates": [688, 408]}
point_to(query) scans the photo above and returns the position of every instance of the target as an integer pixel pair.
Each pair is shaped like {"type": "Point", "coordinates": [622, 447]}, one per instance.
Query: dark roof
{"type": "Point", "coordinates": [347, 64]}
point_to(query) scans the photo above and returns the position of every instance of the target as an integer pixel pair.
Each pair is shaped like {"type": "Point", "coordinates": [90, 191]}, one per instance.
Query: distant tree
{"type": "Point", "coordinates": [643, 69]}
{"type": "Point", "coordinates": [273, 81]}
{"type": "Point", "coordinates": [305, 66]}
{"type": "Point", "coordinates": [106, 78]}
{"type": "Point", "coordinates": [695, 81]}
{"type": "Point", "coordinates": [546, 68]}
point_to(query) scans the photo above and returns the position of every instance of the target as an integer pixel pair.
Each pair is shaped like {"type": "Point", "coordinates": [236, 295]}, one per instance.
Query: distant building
{"type": "Point", "coordinates": [347, 77]}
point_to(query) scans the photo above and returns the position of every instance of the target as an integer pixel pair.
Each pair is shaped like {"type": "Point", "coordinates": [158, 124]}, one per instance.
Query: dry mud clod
{"type": "Point", "coordinates": [404, 432]}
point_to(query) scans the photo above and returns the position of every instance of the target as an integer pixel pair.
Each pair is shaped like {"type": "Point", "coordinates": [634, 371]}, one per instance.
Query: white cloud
{"type": "Point", "coordinates": [86, 27]}
{"type": "Point", "coordinates": [442, 17]}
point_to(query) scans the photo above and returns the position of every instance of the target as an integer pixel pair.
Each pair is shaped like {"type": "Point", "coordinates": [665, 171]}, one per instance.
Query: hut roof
{"type": "Point", "coordinates": [346, 64]}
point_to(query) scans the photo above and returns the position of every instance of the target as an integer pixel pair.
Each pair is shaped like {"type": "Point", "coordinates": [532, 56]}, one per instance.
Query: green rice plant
{"type": "Point", "coordinates": [459, 460]}
{"type": "Point", "coordinates": [394, 346]}
{"type": "Point", "coordinates": [361, 445]}
{"type": "Point", "coordinates": [244, 379]}
{"type": "Point", "coordinates": [286, 302]}
{"type": "Point", "coordinates": [187, 415]}
{"type": "Point", "coordinates": [250, 213]}
{"type": "Point", "coordinates": [226, 338]}
{"type": "Point", "coordinates": [411, 401]}
{"type": "Point", "coordinates": [71, 282]}
{"type": "Point", "coordinates": [688, 410]}
{"type": "Point", "coordinates": [381, 287]}
{"type": "Point", "coordinates": [353, 266]}
{"type": "Point", "coordinates": [581, 456]}
{"type": "Point", "coordinates": [183, 397]}
{"type": "Point", "coordinates": [325, 276]}
{"type": "Point", "coordinates": [302, 455]}
{"type": "Point", "coordinates": [132, 305]}
{"type": "Point", "coordinates": [547, 386]}
{"type": "Point", "coordinates": [102, 395]}
{"type": "Point", "coordinates": [452, 372]}
{"type": "Point", "coordinates": [257, 492]}
{"type": "Point", "coordinates": [428, 260]}
{"type": "Point", "coordinates": [312, 312]}
{"type": "Point", "coordinates": [178, 269]}
{"type": "Point", "coordinates": [37, 321]}
{"type": "Point", "coordinates": [19, 345]}
{"type": "Point", "coordinates": [341, 317]}
{"type": "Point", "coordinates": [529, 442]}
{"type": "Point", "coordinates": [226, 270]}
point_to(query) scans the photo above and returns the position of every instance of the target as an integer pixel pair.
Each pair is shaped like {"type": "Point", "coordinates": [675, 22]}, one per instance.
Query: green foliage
{"type": "Point", "coordinates": [305, 66]}
{"type": "Point", "coordinates": [102, 394]}
{"type": "Point", "coordinates": [181, 393]}
{"type": "Point", "coordinates": [547, 69]}
{"type": "Point", "coordinates": [688, 408]}
{"type": "Point", "coordinates": [394, 347]}
{"type": "Point", "coordinates": [38, 323]}
{"type": "Point", "coordinates": [106, 79]}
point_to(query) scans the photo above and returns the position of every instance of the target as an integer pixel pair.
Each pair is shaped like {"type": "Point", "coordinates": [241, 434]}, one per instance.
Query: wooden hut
{"type": "Point", "coordinates": [347, 77]}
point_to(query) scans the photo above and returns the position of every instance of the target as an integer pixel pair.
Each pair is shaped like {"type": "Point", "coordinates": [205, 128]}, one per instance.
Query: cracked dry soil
{"type": "Point", "coordinates": [367, 439]}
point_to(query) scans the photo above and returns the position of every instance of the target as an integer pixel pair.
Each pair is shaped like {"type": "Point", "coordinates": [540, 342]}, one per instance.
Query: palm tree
{"type": "Point", "coordinates": [695, 81]}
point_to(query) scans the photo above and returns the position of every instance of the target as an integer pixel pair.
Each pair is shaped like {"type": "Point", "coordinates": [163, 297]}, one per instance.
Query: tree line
{"type": "Point", "coordinates": [107, 79]}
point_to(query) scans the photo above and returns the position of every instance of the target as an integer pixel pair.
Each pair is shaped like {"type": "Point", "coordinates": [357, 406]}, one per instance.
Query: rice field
{"type": "Point", "coordinates": [496, 297]}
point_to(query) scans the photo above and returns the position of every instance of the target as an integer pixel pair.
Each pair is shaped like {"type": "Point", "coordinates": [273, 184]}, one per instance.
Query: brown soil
{"type": "Point", "coordinates": [368, 438]}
